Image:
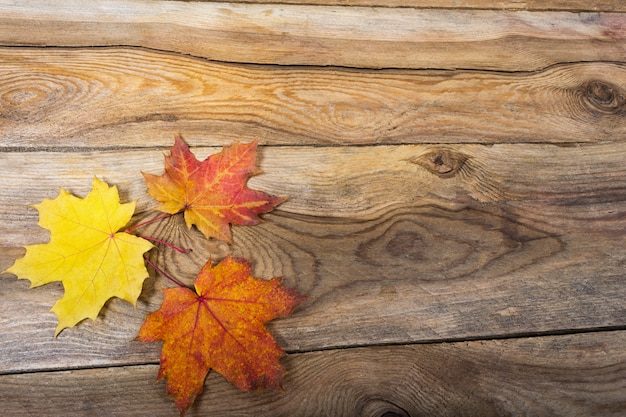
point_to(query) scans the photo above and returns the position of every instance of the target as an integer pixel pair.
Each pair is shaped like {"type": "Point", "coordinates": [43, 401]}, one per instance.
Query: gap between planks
{"type": "Point", "coordinates": [511, 5]}
{"type": "Point", "coordinates": [291, 352]}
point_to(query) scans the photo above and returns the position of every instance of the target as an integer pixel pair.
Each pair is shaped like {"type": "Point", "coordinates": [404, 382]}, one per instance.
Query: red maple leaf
{"type": "Point", "coordinates": [220, 327]}
{"type": "Point", "coordinates": [211, 193]}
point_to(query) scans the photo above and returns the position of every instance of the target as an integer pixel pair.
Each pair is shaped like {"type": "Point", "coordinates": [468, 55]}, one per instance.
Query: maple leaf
{"type": "Point", "coordinates": [86, 253]}
{"type": "Point", "coordinates": [220, 327]}
{"type": "Point", "coordinates": [211, 193]}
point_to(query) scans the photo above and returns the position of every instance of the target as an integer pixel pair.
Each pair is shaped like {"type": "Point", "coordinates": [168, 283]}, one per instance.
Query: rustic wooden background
{"type": "Point", "coordinates": [456, 173]}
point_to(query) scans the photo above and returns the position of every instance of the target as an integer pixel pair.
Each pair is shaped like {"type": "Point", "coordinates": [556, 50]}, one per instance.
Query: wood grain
{"type": "Point", "coordinates": [456, 182]}
{"type": "Point", "coordinates": [465, 241]}
{"type": "Point", "coordinates": [567, 5]}
{"type": "Point", "coordinates": [545, 376]}
{"type": "Point", "coordinates": [561, 188]}
{"type": "Point", "coordinates": [364, 37]}
{"type": "Point", "coordinates": [138, 98]}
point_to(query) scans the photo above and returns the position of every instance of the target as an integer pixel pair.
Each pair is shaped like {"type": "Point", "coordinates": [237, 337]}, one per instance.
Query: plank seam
{"type": "Point", "coordinates": [508, 336]}
{"type": "Point", "coordinates": [76, 149]}
{"type": "Point", "coordinates": [309, 66]}
{"type": "Point", "coordinates": [606, 329]}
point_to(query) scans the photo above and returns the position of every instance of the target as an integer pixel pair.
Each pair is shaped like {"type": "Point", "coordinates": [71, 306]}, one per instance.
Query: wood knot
{"type": "Point", "coordinates": [406, 244]}
{"type": "Point", "coordinates": [605, 98]}
{"type": "Point", "coordinates": [470, 173]}
{"type": "Point", "coordinates": [382, 408]}
{"type": "Point", "coordinates": [444, 163]}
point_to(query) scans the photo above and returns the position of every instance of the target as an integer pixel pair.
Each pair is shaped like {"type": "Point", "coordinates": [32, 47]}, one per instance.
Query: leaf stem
{"type": "Point", "coordinates": [155, 219]}
{"type": "Point", "coordinates": [169, 245]}
{"type": "Point", "coordinates": [165, 274]}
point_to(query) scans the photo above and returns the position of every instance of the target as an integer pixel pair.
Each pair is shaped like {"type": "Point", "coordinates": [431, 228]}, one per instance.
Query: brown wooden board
{"type": "Point", "coordinates": [541, 376]}
{"type": "Point", "coordinates": [457, 197]}
{"type": "Point", "coordinates": [114, 98]}
{"type": "Point", "coordinates": [569, 5]}
{"type": "Point", "coordinates": [393, 244]}
{"type": "Point", "coordinates": [363, 37]}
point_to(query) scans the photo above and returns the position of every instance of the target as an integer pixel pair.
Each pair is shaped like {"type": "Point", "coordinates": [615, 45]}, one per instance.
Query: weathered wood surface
{"type": "Point", "coordinates": [143, 96]}
{"type": "Point", "coordinates": [570, 5]}
{"type": "Point", "coordinates": [546, 376]}
{"type": "Point", "coordinates": [362, 37]}
{"type": "Point", "coordinates": [478, 192]}
{"type": "Point", "coordinates": [460, 242]}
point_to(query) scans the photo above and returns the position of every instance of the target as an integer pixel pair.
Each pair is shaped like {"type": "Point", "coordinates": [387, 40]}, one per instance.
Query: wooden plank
{"type": "Point", "coordinates": [393, 244]}
{"type": "Point", "coordinates": [92, 98]}
{"type": "Point", "coordinates": [581, 374]}
{"type": "Point", "coordinates": [363, 37]}
{"type": "Point", "coordinates": [561, 188]}
{"type": "Point", "coordinates": [568, 5]}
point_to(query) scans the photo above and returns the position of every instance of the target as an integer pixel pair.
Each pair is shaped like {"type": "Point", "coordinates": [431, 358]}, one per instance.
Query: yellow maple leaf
{"type": "Point", "coordinates": [86, 252]}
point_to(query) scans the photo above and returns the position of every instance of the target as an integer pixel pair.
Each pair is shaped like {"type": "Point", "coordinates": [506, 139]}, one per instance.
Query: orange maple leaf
{"type": "Point", "coordinates": [220, 327]}
{"type": "Point", "coordinates": [211, 193]}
